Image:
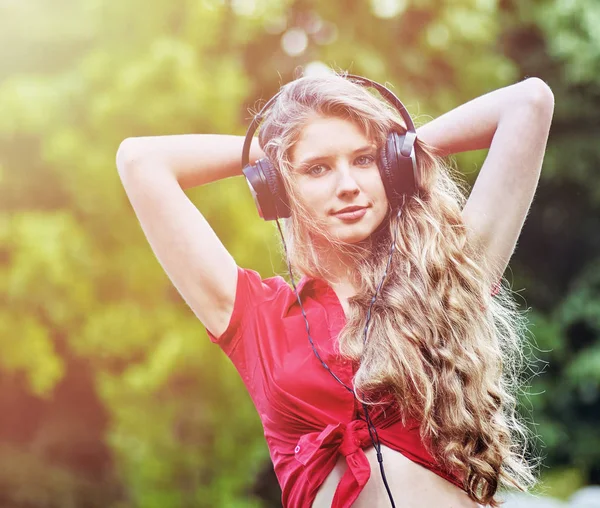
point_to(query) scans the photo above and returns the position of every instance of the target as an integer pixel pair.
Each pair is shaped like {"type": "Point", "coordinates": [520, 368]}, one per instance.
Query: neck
{"type": "Point", "coordinates": [338, 269]}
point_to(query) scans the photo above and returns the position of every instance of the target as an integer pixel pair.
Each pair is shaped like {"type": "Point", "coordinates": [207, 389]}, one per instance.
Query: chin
{"type": "Point", "coordinates": [357, 232]}
{"type": "Point", "coordinates": [352, 234]}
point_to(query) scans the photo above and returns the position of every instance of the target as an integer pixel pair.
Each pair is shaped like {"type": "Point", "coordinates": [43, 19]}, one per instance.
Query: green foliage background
{"type": "Point", "coordinates": [111, 394]}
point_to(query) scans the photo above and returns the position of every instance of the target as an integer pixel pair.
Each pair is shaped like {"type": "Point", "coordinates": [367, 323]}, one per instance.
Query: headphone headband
{"type": "Point", "coordinates": [385, 92]}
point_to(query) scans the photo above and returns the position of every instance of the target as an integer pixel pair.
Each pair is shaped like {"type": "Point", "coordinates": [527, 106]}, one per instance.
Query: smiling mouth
{"type": "Point", "coordinates": [350, 209]}
{"type": "Point", "coordinates": [351, 214]}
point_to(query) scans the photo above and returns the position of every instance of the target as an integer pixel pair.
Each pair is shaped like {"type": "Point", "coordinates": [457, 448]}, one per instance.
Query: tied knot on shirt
{"type": "Point", "coordinates": [345, 439]}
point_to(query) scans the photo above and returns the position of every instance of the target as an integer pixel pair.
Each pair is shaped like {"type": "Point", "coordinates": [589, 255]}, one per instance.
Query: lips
{"type": "Point", "coordinates": [351, 213]}
{"type": "Point", "coordinates": [349, 209]}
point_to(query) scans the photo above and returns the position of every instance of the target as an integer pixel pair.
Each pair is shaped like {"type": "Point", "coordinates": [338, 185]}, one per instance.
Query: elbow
{"type": "Point", "coordinates": [539, 95]}
{"type": "Point", "coordinates": [130, 154]}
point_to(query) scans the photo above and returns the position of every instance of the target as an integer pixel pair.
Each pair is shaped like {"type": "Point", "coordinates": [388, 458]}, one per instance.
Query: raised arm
{"type": "Point", "coordinates": [194, 159]}
{"type": "Point", "coordinates": [154, 172]}
{"type": "Point", "coordinates": [513, 122]}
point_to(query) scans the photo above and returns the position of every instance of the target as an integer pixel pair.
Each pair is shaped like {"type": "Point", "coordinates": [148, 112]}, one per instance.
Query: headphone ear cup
{"type": "Point", "coordinates": [267, 189]}
{"type": "Point", "coordinates": [276, 188]}
{"type": "Point", "coordinates": [386, 171]}
{"type": "Point", "coordinates": [397, 171]}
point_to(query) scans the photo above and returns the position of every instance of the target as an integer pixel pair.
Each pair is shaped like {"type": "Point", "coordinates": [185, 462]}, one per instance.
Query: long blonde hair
{"type": "Point", "coordinates": [449, 353]}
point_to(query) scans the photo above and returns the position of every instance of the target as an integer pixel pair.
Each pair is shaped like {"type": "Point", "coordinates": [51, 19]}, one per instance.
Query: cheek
{"type": "Point", "coordinates": [378, 191]}
{"type": "Point", "coordinates": [309, 199]}
{"type": "Point", "coordinates": [314, 197]}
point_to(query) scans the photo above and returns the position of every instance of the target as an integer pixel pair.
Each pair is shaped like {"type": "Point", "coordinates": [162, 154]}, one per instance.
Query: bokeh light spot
{"type": "Point", "coordinates": [294, 41]}
{"type": "Point", "coordinates": [317, 68]}
{"type": "Point", "coordinates": [388, 8]}
{"type": "Point", "coordinates": [438, 36]}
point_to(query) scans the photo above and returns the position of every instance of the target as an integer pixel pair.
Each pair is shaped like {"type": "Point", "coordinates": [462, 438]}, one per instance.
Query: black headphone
{"type": "Point", "coordinates": [396, 162]}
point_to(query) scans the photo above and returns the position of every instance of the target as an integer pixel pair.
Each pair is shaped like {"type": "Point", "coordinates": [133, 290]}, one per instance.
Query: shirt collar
{"type": "Point", "coordinates": [304, 284]}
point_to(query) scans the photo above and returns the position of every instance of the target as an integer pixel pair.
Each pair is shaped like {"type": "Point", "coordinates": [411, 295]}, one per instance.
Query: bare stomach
{"type": "Point", "coordinates": [412, 485]}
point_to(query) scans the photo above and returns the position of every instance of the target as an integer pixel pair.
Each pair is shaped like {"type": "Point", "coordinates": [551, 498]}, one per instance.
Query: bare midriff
{"type": "Point", "coordinates": [412, 485]}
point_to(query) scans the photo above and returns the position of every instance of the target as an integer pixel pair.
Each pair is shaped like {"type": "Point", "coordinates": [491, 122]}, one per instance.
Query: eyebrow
{"type": "Point", "coordinates": [311, 160]}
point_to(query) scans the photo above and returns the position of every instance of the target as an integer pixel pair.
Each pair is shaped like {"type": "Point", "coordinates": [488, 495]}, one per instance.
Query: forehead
{"type": "Point", "coordinates": [325, 135]}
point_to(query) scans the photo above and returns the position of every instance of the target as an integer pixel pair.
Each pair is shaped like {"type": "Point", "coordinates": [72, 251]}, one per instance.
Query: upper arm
{"type": "Point", "coordinates": [195, 260]}
{"type": "Point", "coordinates": [503, 192]}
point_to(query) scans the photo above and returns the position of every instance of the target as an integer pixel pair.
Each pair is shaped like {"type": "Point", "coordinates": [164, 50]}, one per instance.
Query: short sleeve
{"type": "Point", "coordinates": [249, 292]}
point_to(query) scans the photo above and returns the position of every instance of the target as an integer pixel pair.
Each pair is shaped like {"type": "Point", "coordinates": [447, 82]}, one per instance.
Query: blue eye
{"type": "Point", "coordinates": [366, 160]}
{"type": "Point", "coordinates": [320, 169]}
{"type": "Point", "coordinates": [311, 171]}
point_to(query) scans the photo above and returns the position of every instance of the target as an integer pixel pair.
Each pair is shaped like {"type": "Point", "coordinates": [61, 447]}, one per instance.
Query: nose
{"type": "Point", "coordinates": [347, 184]}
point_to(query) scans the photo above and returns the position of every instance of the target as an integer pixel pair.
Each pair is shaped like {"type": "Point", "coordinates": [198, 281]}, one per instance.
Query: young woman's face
{"type": "Point", "coordinates": [337, 177]}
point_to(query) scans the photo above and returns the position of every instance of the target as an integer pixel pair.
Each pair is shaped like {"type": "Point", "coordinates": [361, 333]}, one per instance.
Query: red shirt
{"type": "Point", "coordinates": [307, 416]}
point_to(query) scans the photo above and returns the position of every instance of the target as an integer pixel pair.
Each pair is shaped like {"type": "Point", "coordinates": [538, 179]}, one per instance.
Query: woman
{"type": "Point", "coordinates": [436, 369]}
